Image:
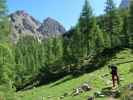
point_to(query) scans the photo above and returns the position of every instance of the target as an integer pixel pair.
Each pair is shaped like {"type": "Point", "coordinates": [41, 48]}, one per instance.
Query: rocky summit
{"type": "Point", "coordinates": [23, 24]}
{"type": "Point", "coordinates": [51, 27]}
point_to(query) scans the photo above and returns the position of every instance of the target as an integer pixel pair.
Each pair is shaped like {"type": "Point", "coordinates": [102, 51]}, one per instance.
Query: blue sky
{"type": "Point", "coordinates": [65, 11]}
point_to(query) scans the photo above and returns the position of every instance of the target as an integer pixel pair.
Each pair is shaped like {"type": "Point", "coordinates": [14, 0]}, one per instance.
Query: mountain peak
{"type": "Point", "coordinates": [48, 18]}
{"type": "Point", "coordinates": [23, 24]}
{"type": "Point", "coordinates": [21, 13]}
{"type": "Point", "coordinates": [51, 27]}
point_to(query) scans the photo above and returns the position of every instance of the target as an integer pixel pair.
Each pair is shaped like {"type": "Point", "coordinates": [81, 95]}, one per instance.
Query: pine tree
{"type": "Point", "coordinates": [75, 46]}
{"type": "Point", "coordinates": [6, 54]}
{"type": "Point", "coordinates": [28, 60]}
{"type": "Point", "coordinates": [57, 48]}
{"type": "Point", "coordinates": [49, 51]}
{"type": "Point", "coordinates": [130, 24]}
{"type": "Point", "coordinates": [68, 56]}
{"type": "Point", "coordinates": [7, 74]}
{"type": "Point", "coordinates": [101, 24]}
{"type": "Point", "coordinates": [85, 17]}
{"type": "Point", "coordinates": [99, 40]}
{"type": "Point", "coordinates": [85, 26]}
{"type": "Point", "coordinates": [113, 23]}
{"type": "Point", "coordinates": [77, 42]}
{"type": "Point", "coordinates": [4, 22]}
{"type": "Point", "coordinates": [124, 34]}
{"type": "Point", "coordinates": [96, 38]}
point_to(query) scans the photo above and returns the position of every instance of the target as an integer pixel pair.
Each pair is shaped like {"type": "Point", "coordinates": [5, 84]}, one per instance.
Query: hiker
{"type": "Point", "coordinates": [114, 72]}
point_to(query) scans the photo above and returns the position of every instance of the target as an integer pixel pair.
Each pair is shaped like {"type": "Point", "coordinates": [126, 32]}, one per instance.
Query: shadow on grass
{"type": "Point", "coordinates": [96, 63]}
{"type": "Point", "coordinates": [107, 88]}
{"type": "Point", "coordinates": [62, 81]}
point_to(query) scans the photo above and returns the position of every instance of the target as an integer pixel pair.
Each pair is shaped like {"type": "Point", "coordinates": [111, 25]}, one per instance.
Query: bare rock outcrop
{"type": "Point", "coordinates": [23, 24]}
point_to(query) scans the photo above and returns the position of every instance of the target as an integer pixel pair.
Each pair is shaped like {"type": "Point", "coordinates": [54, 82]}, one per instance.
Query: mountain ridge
{"type": "Point", "coordinates": [24, 24]}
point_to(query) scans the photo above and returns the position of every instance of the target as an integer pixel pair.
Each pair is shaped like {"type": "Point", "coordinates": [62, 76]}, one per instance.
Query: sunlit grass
{"type": "Point", "coordinates": [55, 90]}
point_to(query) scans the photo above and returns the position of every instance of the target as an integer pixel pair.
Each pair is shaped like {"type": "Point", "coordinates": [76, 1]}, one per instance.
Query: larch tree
{"type": "Point", "coordinates": [130, 24]}
{"type": "Point", "coordinates": [112, 23]}
{"type": "Point", "coordinates": [85, 27]}
{"type": "Point", "coordinates": [96, 38]}
{"type": "Point", "coordinates": [4, 22]}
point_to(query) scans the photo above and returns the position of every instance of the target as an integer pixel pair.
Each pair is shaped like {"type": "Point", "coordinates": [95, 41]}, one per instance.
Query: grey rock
{"type": "Point", "coordinates": [130, 86]}
{"type": "Point", "coordinates": [77, 91]}
{"type": "Point", "coordinates": [99, 94]}
{"type": "Point", "coordinates": [90, 98]}
{"type": "Point", "coordinates": [51, 27]}
{"type": "Point", "coordinates": [85, 87]}
{"type": "Point", "coordinates": [23, 24]}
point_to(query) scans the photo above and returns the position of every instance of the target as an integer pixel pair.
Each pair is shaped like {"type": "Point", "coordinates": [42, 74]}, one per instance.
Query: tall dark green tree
{"type": "Point", "coordinates": [85, 26]}
{"type": "Point", "coordinates": [130, 23]}
{"type": "Point", "coordinates": [112, 23]}
{"type": "Point", "coordinates": [75, 44]}
{"type": "Point", "coordinates": [4, 22]}
{"type": "Point", "coordinates": [7, 63]}
{"type": "Point", "coordinates": [124, 34]}
{"type": "Point", "coordinates": [28, 60]}
{"type": "Point", "coordinates": [57, 48]}
{"type": "Point", "coordinates": [96, 38]}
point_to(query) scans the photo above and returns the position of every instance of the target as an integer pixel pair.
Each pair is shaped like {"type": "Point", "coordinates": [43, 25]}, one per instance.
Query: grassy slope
{"type": "Point", "coordinates": [66, 85]}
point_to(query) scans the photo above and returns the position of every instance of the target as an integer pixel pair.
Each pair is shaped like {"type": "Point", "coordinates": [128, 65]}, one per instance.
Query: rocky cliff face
{"type": "Point", "coordinates": [51, 27]}
{"type": "Point", "coordinates": [124, 4]}
{"type": "Point", "coordinates": [23, 24]}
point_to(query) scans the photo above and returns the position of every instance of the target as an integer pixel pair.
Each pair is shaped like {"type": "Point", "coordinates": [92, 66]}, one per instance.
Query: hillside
{"type": "Point", "coordinates": [98, 80]}
{"type": "Point", "coordinates": [43, 61]}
